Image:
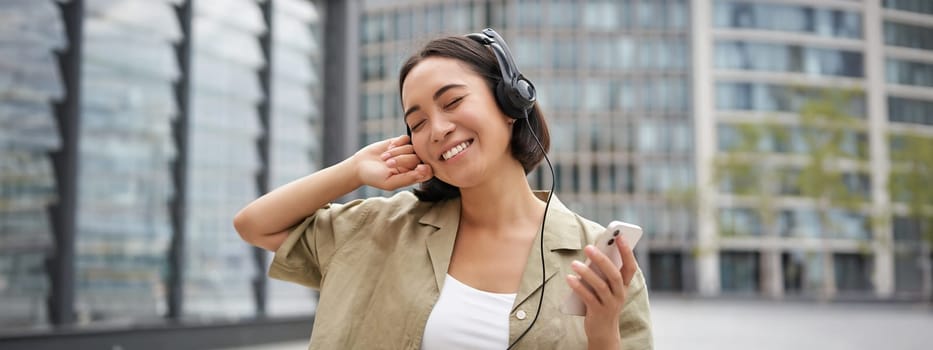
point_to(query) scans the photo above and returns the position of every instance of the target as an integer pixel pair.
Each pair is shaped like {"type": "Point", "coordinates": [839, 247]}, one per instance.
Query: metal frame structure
{"type": "Point", "coordinates": [66, 164]}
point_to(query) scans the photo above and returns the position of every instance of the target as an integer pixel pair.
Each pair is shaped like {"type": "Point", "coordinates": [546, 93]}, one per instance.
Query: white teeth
{"type": "Point", "coordinates": [456, 150]}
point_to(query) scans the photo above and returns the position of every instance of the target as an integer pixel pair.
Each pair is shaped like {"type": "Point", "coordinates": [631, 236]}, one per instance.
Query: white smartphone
{"type": "Point", "coordinates": [629, 233]}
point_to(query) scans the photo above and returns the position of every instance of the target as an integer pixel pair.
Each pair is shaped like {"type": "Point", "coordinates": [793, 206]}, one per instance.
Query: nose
{"type": "Point", "coordinates": [440, 128]}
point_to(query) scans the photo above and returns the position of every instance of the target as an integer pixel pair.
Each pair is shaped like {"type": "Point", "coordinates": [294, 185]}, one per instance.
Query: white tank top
{"type": "Point", "coordinates": [468, 318]}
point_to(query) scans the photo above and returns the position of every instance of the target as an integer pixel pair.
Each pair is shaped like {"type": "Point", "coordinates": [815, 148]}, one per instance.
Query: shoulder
{"type": "Point", "coordinates": [403, 205]}
{"type": "Point", "coordinates": [591, 229]}
{"type": "Point", "coordinates": [584, 231]}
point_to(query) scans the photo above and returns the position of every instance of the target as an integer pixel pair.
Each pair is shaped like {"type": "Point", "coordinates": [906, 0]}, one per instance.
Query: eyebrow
{"type": "Point", "coordinates": [437, 95]}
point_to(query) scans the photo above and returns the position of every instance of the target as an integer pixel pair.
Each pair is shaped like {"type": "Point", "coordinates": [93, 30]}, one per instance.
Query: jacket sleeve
{"type": "Point", "coordinates": [305, 255]}
{"type": "Point", "coordinates": [635, 319]}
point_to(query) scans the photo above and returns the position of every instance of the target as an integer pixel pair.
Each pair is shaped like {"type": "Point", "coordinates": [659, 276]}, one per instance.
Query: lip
{"type": "Point", "coordinates": [450, 146]}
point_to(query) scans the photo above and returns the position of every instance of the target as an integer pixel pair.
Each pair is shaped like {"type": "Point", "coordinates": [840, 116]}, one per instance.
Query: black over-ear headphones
{"type": "Point", "coordinates": [515, 94]}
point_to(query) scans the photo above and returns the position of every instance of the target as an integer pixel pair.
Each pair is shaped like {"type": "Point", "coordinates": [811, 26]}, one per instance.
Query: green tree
{"type": "Point", "coordinates": [810, 158]}
{"type": "Point", "coordinates": [911, 174]}
{"type": "Point", "coordinates": [827, 128]}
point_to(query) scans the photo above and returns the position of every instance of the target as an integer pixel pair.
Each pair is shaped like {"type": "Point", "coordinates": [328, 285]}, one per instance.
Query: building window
{"type": "Point", "coordinates": [839, 224]}
{"type": "Point", "coordinates": [666, 271]}
{"type": "Point", "coordinates": [799, 223]}
{"type": "Point", "coordinates": [563, 14]}
{"type": "Point", "coordinates": [529, 51]}
{"type": "Point", "coordinates": [787, 18]}
{"type": "Point", "coordinates": [905, 110]}
{"type": "Point", "coordinates": [909, 73]}
{"type": "Point", "coordinates": [919, 6]}
{"type": "Point", "coordinates": [788, 58]}
{"type": "Point", "coordinates": [898, 34]}
{"type": "Point", "coordinates": [775, 98]}
{"type": "Point", "coordinates": [739, 272]}
{"type": "Point", "coordinates": [600, 15]}
{"type": "Point", "coordinates": [597, 95]}
{"type": "Point", "coordinates": [793, 267]}
{"type": "Point", "coordinates": [908, 270]}
{"type": "Point", "coordinates": [564, 53]}
{"type": "Point", "coordinates": [852, 272]}
{"type": "Point", "coordinates": [404, 25]}
{"type": "Point", "coordinates": [739, 222]}
{"type": "Point", "coordinates": [599, 53]}
{"type": "Point", "coordinates": [529, 14]}
{"type": "Point", "coordinates": [907, 230]}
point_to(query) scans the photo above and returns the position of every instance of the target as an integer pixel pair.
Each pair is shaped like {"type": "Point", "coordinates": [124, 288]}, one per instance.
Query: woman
{"type": "Point", "coordinates": [455, 263]}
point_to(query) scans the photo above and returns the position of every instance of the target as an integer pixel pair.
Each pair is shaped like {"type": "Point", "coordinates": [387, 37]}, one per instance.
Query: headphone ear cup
{"type": "Point", "coordinates": [504, 97]}
{"type": "Point", "coordinates": [524, 94]}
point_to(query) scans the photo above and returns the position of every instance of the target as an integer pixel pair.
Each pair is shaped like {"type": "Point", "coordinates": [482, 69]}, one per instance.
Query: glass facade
{"type": "Point", "coordinates": [788, 58]}
{"type": "Point", "coordinates": [787, 18]}
{"type": "Point", "coordinates": [740, 271]}
{"type": "Point", "coordinates": [907, 110]}
{"type": "Point", "coordinates": [852, 272]}
{"type": "Point", "coordinates": [124, 226]}
{"type": "Point", "coordinates": [793, 267]}
{"type": "Point", "coordinates": [774, 98]}
{"type": "Point", "coordinates": [670, 276]}
{"type": "Point", "coordinates": [224, 158]}
{"type": "Point", "coordinates": [739, 222]}
{"type": "Point", "coordinates": [909, 73]}
{"type": "Point", "coordinates": [29, 82]}
{"type": "Point", "coordinates": [905, 35]}
{"type": "Point", "coordinates": [295, 121]}
{"type": "Point", "coordinates": [131, 87]}
{"type": "Point", "coordinates": [919, 6]}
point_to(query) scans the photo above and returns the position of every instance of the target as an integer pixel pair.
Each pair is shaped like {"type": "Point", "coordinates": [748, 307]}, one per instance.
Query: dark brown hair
{"type": "Point", "coordinates": [481, 60]}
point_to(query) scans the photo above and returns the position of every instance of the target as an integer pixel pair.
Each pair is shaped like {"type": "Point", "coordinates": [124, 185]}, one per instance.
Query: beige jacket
{"type": "Point", "coordinates": [380, 264]}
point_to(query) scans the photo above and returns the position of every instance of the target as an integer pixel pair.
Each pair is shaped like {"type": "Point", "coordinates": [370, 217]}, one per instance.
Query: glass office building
{"type": "Point", "coordinates": [157, 121]}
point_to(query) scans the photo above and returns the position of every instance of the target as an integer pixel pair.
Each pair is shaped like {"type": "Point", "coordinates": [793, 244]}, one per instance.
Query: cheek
{"type": "Point", "coordinates": [420, 150]}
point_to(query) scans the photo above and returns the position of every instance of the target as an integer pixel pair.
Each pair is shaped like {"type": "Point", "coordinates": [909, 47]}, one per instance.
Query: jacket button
{"type": "Point", "coordinates": [520, 314]}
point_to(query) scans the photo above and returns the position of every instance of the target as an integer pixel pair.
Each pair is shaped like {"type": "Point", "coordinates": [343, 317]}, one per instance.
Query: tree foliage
{"type": "Point", "coordinates": [911, 177]}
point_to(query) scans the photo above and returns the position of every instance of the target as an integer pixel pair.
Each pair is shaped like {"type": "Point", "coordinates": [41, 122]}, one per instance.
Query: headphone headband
{"type": "Point", "coordinates": [515, 93]}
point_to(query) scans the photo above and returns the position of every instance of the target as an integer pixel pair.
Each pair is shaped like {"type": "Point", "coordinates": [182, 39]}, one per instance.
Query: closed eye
{"type": "Point", "coordinates": [416, 125]}
{"type": "Point", "coordinates": [453, 103]}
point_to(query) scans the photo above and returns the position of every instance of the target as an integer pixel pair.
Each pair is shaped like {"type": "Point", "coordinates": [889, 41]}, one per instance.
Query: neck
{"type": "Point", "coordinates": [504, 202]}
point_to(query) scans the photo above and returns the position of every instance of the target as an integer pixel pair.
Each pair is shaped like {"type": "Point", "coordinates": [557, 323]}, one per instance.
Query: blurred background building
{"type": "Point", "coordinates": [133, 130]}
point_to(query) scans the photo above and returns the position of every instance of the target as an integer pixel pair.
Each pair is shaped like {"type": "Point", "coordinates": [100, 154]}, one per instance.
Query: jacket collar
{"type": "Point", "coordinates": [562, 231]}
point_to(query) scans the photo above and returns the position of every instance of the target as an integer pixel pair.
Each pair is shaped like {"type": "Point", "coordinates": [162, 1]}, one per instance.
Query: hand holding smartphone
{"type": "Point", "coordinates": [605, 243]}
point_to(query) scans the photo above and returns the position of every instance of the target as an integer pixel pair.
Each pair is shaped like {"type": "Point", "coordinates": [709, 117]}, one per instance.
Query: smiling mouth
{"type": "Point", "coordinates": [456, 150]}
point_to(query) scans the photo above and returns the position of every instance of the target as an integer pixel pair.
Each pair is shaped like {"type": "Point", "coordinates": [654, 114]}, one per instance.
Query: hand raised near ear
{"type": "Point", "coordinates": [391, 164]}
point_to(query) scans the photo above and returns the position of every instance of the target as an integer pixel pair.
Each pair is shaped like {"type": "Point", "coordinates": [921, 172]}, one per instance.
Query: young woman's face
{"type": "Point", "coordinates": [456, 126]}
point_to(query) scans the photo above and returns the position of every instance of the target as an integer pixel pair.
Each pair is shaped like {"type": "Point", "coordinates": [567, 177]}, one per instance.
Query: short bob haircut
{"type": "Point", "coordinates": [482, 61]}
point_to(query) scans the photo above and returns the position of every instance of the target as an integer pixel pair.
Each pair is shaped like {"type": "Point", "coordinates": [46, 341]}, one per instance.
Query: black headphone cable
{"type": "Point", "coordinates": [543, 219]}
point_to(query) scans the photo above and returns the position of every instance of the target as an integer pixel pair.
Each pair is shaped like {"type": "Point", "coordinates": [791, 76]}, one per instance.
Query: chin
{"type": "Point", "coordinates": [465, 179]}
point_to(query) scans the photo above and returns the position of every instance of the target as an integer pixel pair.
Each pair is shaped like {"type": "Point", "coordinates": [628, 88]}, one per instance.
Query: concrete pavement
{"type": "Point", "coordinates": [724, 324]}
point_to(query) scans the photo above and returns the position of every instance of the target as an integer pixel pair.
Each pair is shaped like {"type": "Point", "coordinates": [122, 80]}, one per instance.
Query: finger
{"type": "Point", "coordinates": [404, 162]}
{"type": "Point", "coordinates": [629, 264]}
{"type": "Point", "coordinates": [421, 173]}
{"type": "Point", "coordinates": [610, 271]}
{"type": "Point", "coordinates": [401, 140]}
{"type": "Point", "coordinates": [584, 293]}
{"type": "Point", "coordinates": [398, 150]}
{"type": "Point", "coordinates": [599, 286]}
